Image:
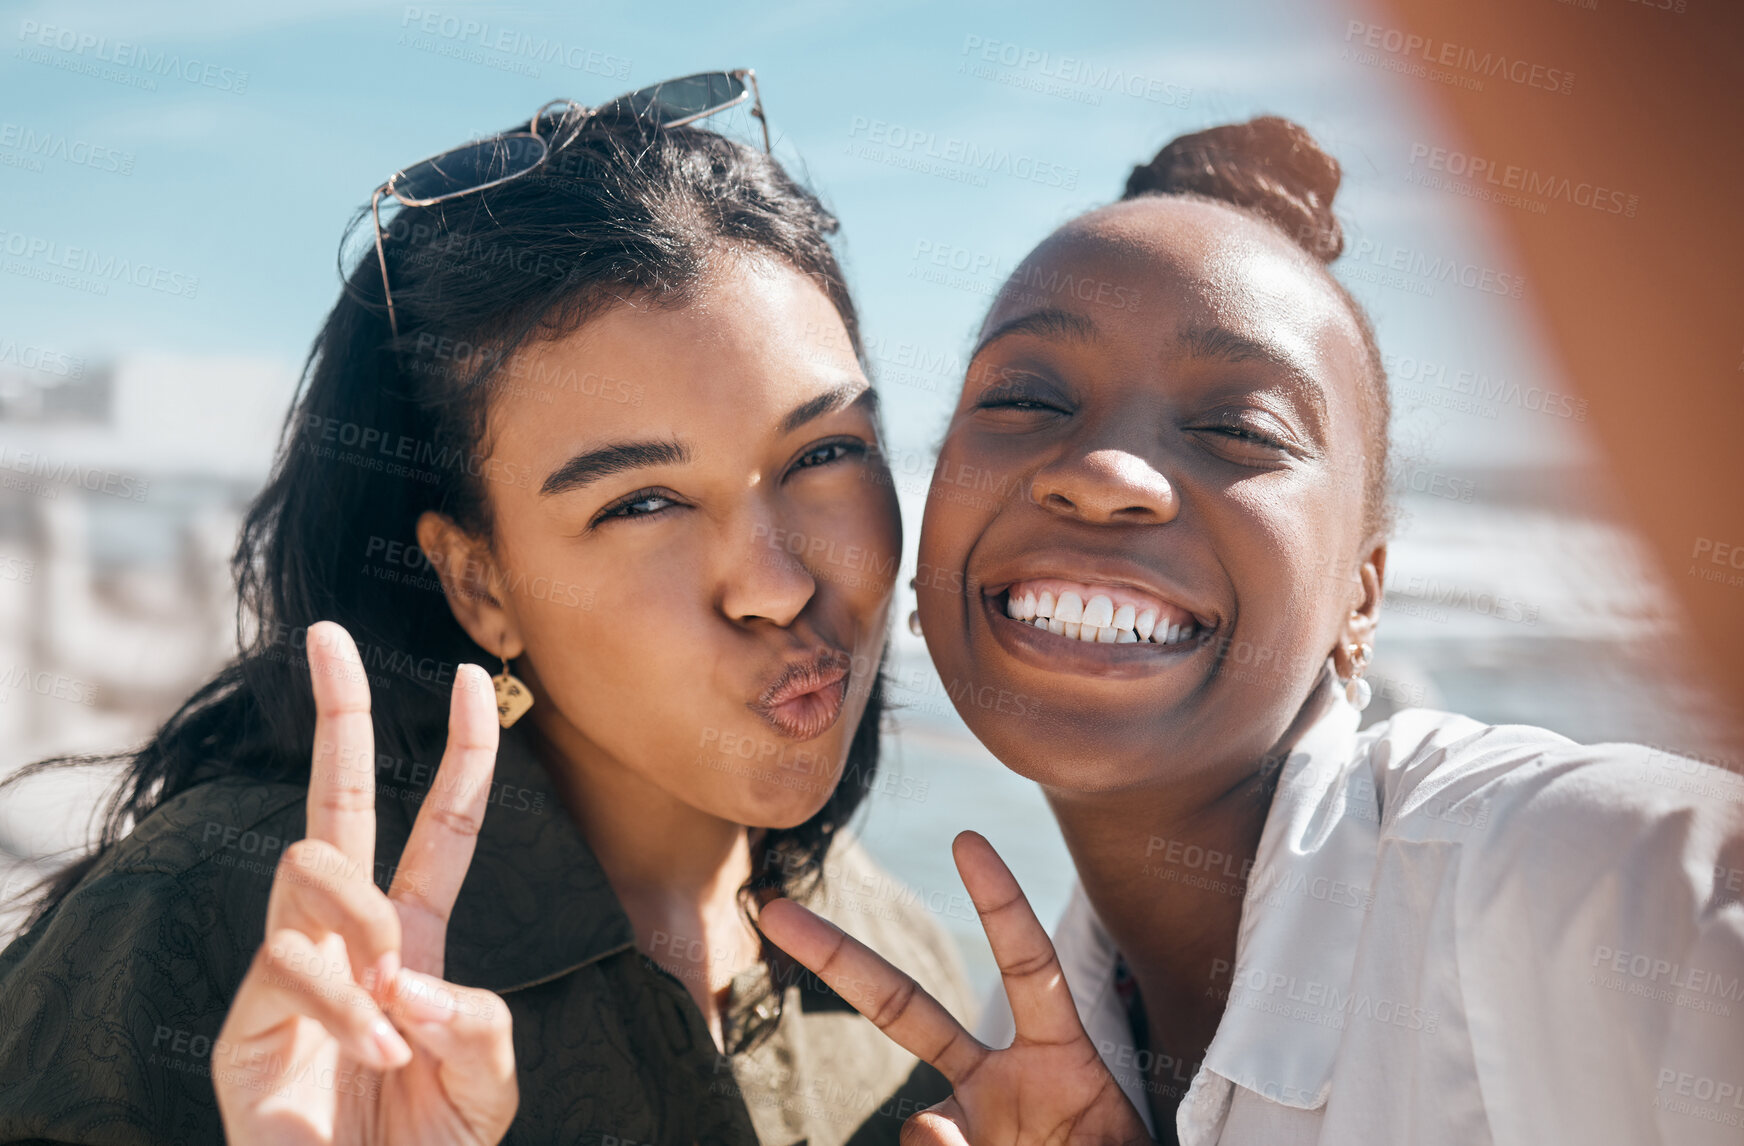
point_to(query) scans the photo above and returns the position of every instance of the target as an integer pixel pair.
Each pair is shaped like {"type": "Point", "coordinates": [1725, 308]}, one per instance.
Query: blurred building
{"type": "Point", "coordinates": [121, 490]}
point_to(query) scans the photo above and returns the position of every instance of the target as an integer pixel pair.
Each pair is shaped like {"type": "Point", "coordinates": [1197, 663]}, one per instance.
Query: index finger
{"type": "Point", "coordinates": [895, 1003]}
{"type": "Point", "coordinates": [341, 808]}
{"type": "Point", "coordinates": [1041, 1002]}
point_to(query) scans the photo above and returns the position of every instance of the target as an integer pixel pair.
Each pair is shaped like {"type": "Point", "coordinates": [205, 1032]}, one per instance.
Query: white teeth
{"type": "Point", "coordinates": [1096, 621]}
{"type": "Point", "coordinates": [1099, 611]}
{"type": "Point", "coordinates": [1110, 635]}
{"type": "Point", "coordinates": [1174, 634]}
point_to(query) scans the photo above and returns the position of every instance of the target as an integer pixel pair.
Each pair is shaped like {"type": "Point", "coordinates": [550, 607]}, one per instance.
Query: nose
{"type": "Point", "coordinates": [1105, 485]}
{"type": "Point", "coordinates": [766, 580]}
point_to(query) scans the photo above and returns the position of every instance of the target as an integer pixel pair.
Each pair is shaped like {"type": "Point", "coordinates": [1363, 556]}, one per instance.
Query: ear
{"type": "Point", "coordinates": [472, 582]}
{"type": "Point", "coordinates": [1365, 607]}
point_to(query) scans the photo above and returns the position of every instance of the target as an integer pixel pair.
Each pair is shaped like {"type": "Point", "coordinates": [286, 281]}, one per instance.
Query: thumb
{"type": "Point", "coordinates": [942, 1125]}
{"type": "Point", "coordinates": [469, 1034]}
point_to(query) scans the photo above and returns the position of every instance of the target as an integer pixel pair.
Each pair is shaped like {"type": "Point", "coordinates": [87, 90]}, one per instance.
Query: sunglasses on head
{"type": "Point", "coordinates": [495, 161]}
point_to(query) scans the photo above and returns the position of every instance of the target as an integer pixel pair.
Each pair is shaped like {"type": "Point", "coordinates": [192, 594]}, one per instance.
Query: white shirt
{"type": "Point", "coordinates": [1454, 934]}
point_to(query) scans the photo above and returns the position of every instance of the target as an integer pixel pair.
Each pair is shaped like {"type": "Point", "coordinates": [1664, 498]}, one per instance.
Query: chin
{"type": "Point", "coordinates": [1070, 763]}
{"type": "Point", "coordinates": [785, 800]}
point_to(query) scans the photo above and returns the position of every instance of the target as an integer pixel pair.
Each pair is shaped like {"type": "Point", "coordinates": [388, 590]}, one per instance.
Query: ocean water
{"type": "Point", "coordinates": [939, 781]}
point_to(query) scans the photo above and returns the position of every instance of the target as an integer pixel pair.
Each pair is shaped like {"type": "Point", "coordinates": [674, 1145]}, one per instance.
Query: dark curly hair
{"type": "Point", "coordinates": [1273, 170]}
{"type": "Point", "coordinates": [622, 210]}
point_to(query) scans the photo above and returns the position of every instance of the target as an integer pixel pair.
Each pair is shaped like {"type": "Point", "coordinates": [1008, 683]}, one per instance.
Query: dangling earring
{"type": "Point", "coordinates": [1357, 690]}
{"type": "Point", "coordinates": [914, 622]}
{"type": "Point", "coordinates": [513, 697]}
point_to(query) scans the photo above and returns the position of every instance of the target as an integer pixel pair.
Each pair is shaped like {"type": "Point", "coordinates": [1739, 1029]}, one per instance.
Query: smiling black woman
{"type": "Point", "coordinates": [1287, 931]}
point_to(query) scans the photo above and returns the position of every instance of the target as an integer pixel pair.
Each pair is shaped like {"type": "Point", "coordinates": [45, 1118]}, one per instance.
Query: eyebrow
{"type": "Point", "coordinates": [1222, 344]}
{"type": "Point", "coordinates": [620, 457]}
{"type": "Point", "coordinates": [1051, 324]}
{"type": "Point", "coordinates": [847, 394]}
{"type": "Point", "coordinates": [617, 458]}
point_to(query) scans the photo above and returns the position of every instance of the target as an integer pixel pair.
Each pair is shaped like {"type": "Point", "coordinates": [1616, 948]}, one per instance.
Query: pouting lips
{"type": "Point", "coordinates": [1099, 614]}
{"type": "Point", "coordinates": [803, 702]}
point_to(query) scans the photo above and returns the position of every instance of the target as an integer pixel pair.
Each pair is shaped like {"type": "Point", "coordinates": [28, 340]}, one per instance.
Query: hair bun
{"type": "Point", "coordinates": [1269, 166]}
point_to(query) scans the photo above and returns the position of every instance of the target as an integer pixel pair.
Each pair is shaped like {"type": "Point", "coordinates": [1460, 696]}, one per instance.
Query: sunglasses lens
{"type": "Point", "coordinates": [469, 167]}
{"type": "Point", "coordinates": [680, 99]}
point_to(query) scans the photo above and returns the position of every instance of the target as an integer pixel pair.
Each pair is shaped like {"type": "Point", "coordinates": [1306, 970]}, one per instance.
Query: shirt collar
{"type": "Point", "coordinates": [1307, 900]}
{"type": "Point", "coordinates": [535, 903]}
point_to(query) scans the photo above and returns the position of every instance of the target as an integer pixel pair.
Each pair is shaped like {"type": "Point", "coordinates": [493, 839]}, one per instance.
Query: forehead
{"type": "Point", "coordinates": [1159, 266]}
{"type": "Point", "coordinates": [755, 336]}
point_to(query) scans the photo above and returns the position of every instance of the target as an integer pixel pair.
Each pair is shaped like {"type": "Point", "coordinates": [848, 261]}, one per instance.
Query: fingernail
{"type": "Point", "coordinates": [474, 680]}
{"type": "Point", "coordinates": [389, 1045]}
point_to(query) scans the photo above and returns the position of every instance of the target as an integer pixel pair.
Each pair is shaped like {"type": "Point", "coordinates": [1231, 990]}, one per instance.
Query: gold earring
{"type": "Point", "coordinates": [513, 697]}
{"type": "Point", "coordinates": [1358, 690]}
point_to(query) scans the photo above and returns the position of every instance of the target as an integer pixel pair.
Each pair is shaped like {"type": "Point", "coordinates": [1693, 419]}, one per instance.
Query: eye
{"type": "Point", "coordinates": [1244, 441]}
{"type": "Point", "coordinates": [830, 452]}
{"type": "Point", "coordinates": [1248, 434]}
{"type": "Point", "coordinates": [1022, 395]}
{"type": "Point", "coordinates": [642, 503]}
{"type": "Point", "coordinates": [1017, 404]}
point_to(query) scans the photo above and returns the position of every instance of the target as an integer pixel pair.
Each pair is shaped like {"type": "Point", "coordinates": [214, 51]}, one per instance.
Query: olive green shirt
{"type": "Point", "coordinates": [110, 1006]}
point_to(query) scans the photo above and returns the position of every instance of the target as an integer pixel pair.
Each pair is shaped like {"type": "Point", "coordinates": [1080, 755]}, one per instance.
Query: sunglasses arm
{"type": "Point", "coordinates": [381, 257]}
{"type": "Point", "coordinates": [757, 110]}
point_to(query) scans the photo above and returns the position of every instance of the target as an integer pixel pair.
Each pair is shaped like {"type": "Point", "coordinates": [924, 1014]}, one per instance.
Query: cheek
{"type": "Point", "coordinates": [848, 532]}
{"type": "Point", "coordinates": [1281, 557]}
{"type": "Point", "coordinates": [974, 482]}
{"type": "Point", "coordinates": [611, 665]}
{"type": "Point", "coordinates": [965, 493]}
{"type": "Point", "coordinates": [611, 630]}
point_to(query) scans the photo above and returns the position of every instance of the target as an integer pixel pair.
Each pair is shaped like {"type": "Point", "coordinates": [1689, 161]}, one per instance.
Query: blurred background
{"type": "Point", "coordinates": [175, 178]}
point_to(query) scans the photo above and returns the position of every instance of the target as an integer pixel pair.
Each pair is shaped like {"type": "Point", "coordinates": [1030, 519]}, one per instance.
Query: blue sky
{"type": "Point", "coordinates": [247, 191]}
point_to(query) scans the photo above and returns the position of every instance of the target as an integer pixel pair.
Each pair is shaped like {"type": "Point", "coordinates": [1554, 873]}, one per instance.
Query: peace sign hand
{"type": "Point", "coordinates": [315, 1050]}
{"type": "Point", "coordinates": [1050, 1086]}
